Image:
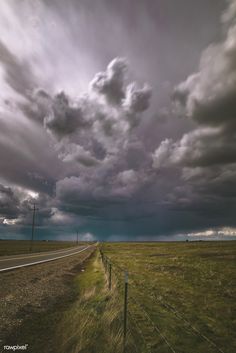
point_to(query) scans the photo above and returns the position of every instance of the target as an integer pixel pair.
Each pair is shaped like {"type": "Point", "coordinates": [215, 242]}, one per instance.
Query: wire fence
{"type": "Point", "coordinates": [146, 335]}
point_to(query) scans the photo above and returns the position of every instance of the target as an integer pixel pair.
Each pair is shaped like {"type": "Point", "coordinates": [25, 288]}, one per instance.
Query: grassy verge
{"type": "Point", "coordinates": [87, 319]}
{"type": "Point", "coordinates": [93, 324]}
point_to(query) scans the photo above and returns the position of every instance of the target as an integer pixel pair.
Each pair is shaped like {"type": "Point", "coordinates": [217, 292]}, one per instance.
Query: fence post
{"type": "Point", "coordinates": [125, 309]}
{"type": "Point", "coordinates": [109, 276]}
{"type": "Point", "coordinates": [105, 263]}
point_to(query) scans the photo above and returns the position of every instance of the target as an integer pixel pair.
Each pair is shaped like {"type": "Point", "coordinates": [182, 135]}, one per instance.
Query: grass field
{"type": "Point", "coordinates": [181, 295]}
{"type": "Point", "coordinates": [13, 247]}
{"type": "Point", "coordinates": [181, 299]}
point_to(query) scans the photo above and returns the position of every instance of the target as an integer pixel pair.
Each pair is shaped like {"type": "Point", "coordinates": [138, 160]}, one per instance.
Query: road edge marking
{"type": "Point", "coordinates": [42, 261]}
{"type": "Point", "coordinates": [42, 253]}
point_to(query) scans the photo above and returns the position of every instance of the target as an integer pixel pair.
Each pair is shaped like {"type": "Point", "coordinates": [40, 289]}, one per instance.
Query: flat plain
{"type": "Point", "coordinates": [181, 299]}
{"type": "Point", "coordinates": [181, 296]}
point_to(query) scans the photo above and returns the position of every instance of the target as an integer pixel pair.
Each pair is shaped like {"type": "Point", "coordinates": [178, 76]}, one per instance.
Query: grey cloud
{"type": "Point", "coordinates": [163, 154]}
{"type": "Point", "coordinates": [205, 157]}
{"type": "Point", "coordinates": [9, 203]}
{"type": "Point", "coordinates": [102, 187]}
{"type": "Point", "coordinates": [110, 83]}
{"type": "Point", "coordinates": [104, 138]}
{"type": "Point", "coordinates": [199, 148]}
{"type": "Point", "coordinates": [209, 98]}
{"type": "Point", "coordinates": [229, 15]}
{"type": "Point", "coordinates": [137, 99]}
{"type": "Point", "coordinates": [88, 120]}
{"type": "Point", "coordinates": [77, 153]}
{"type": "Point", "coordinates": [64, 119]}
{"type": "Point", "coordinates": [17, 73]}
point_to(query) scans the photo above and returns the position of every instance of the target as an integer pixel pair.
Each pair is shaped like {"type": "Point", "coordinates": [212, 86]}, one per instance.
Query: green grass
{"type": "Point", "coordinates": [177, 284]}
{"type": "Point", "coordinates": [94, 322]}
{"type": "Point", "coordinates": [14, 247]}
{"type": "Point", "coordinates": [178, 293]}
{"type": "Point", "coordinates": [88, 320]}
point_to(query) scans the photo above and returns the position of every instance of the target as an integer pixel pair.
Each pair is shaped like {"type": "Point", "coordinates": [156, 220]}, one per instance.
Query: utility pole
{"type": "Point", "coordinates": [77, 237]}
{"type": "Point", "coordinates": [125, 311]}
{"type": "Point", "coordinates": [33, 224]}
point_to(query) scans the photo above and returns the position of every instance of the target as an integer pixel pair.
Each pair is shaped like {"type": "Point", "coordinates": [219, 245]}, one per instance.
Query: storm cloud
{"type": "Point", "coordinates": [206, 156]}
{"type": "Point", "coordinates": [116, 119]}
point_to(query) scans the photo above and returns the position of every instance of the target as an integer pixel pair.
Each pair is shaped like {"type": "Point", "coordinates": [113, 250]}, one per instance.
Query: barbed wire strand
{"type": "Point", "coordinates": [139, 330]}
{"type": "Point", "coordinates": [181, 317]}
{"type": "Point", "coordinates": [153, 324]}
{"type": "Point", "coordinates": [176, 312]}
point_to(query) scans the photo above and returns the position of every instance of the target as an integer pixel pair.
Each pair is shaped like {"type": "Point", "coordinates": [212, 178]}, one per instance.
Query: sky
{"type": "Point", "coordinates": [117, 119]}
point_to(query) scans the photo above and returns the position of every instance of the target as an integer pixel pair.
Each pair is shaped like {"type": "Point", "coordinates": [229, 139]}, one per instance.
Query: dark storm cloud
{"type": "Point", "coordinates": [8, 203]}
{"type": "Point", "coordinates": [87, 143]}
{"type": "Point", "coordinates": [63, 119]}
{"type": "Point", "coordinates": [111, 82]}
{"type": "Point", "coordinates": [88, 121]}
{"type": "Point", "coordinates": [16, 206]}
{"type": "Point", "coordinates": [206, 156]}
{"type": "Point", "coordinates": [17, 74]}
{"type": "Point", "coordinates": [209, 98]}
{"type": "Point", "coordinates": [137, 99]}
{"type": "Point", "coordinates": [25, 154]}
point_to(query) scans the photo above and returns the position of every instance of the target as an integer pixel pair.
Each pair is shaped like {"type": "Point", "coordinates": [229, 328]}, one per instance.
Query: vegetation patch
{"type": "Point", "coordinates": [94, 322]}
{"type": "Point", "coordinates": [183, 302]}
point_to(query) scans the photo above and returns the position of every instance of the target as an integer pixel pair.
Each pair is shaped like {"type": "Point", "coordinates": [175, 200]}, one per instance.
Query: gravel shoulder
{"type": "Point", "coordinates": [27, 291]}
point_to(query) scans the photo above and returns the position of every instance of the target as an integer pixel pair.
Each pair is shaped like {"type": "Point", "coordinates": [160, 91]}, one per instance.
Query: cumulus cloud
{"type": "Point", "coordinates": [163, 154]}
{"type": "Point", "coordinates": [16, 204]}
{"type": "Point", "coordinates": [229, 15]}
{"type": "Point", "coordinates": [76, 153]}
{"type": "Point", "coordinates": [205, 157]}
{"type": "Point", "coordinates": [58, 217]}
{"type": "Point", "coordinates": [87, 121]}
{"type": "Point", "coordinates": [198, 148]}
{"type": "Point", "coordinates": [209, 98]}
{"type": "Point", "coordinates": [64, 118]}
{"type": "Point", "coordinates": [137, 99]}
{"type": "Point", "coordinates": [94, 133]}
{"type": "Point", "coordinates": [9, 203]}
{"type": "Point", "coordinates": [100, 186]}
{"type": "Point", "coordinates": [110, 83]}
{"type": "Point", "coordinates": [220, 233]}
{"type": "Point", "coordinates": [90, 149]}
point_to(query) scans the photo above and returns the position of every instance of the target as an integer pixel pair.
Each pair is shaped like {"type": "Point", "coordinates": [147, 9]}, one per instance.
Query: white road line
{"type": "Point", "coordinates": [39, 262]}
{"type": "Point", "coordinates": [42, 253]}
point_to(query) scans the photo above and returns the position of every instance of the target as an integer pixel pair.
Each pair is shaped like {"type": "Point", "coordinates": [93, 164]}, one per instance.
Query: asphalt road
{"type": "Point", "coordinates": [13, 262]}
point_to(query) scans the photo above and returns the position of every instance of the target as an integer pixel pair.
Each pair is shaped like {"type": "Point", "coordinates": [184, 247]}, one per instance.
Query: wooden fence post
{"type": "Point", "coordinates": [125, 309]}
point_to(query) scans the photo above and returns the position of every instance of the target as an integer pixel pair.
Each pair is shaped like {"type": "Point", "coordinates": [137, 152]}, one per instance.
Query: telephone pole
{"type": "Point", "coordinates": [33, 224]}
{"type": "Point", "coordinates": [77, 237]}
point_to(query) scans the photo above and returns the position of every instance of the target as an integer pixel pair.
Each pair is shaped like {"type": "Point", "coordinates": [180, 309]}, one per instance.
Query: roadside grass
{"type": "Point", "coordinates": [172, 285]}
{"type": "Point", "coordinates": [16, 247]}
{"type": "Point", "coordinates": [179, 294]}
{"type": "Point", "coordinates": [89, 319]}
{"type": "Point", "coordinates": [94, 323]}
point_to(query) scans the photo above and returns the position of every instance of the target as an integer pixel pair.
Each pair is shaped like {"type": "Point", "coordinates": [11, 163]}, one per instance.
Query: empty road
{"type": "Point", "coordinates": [13, 262]}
